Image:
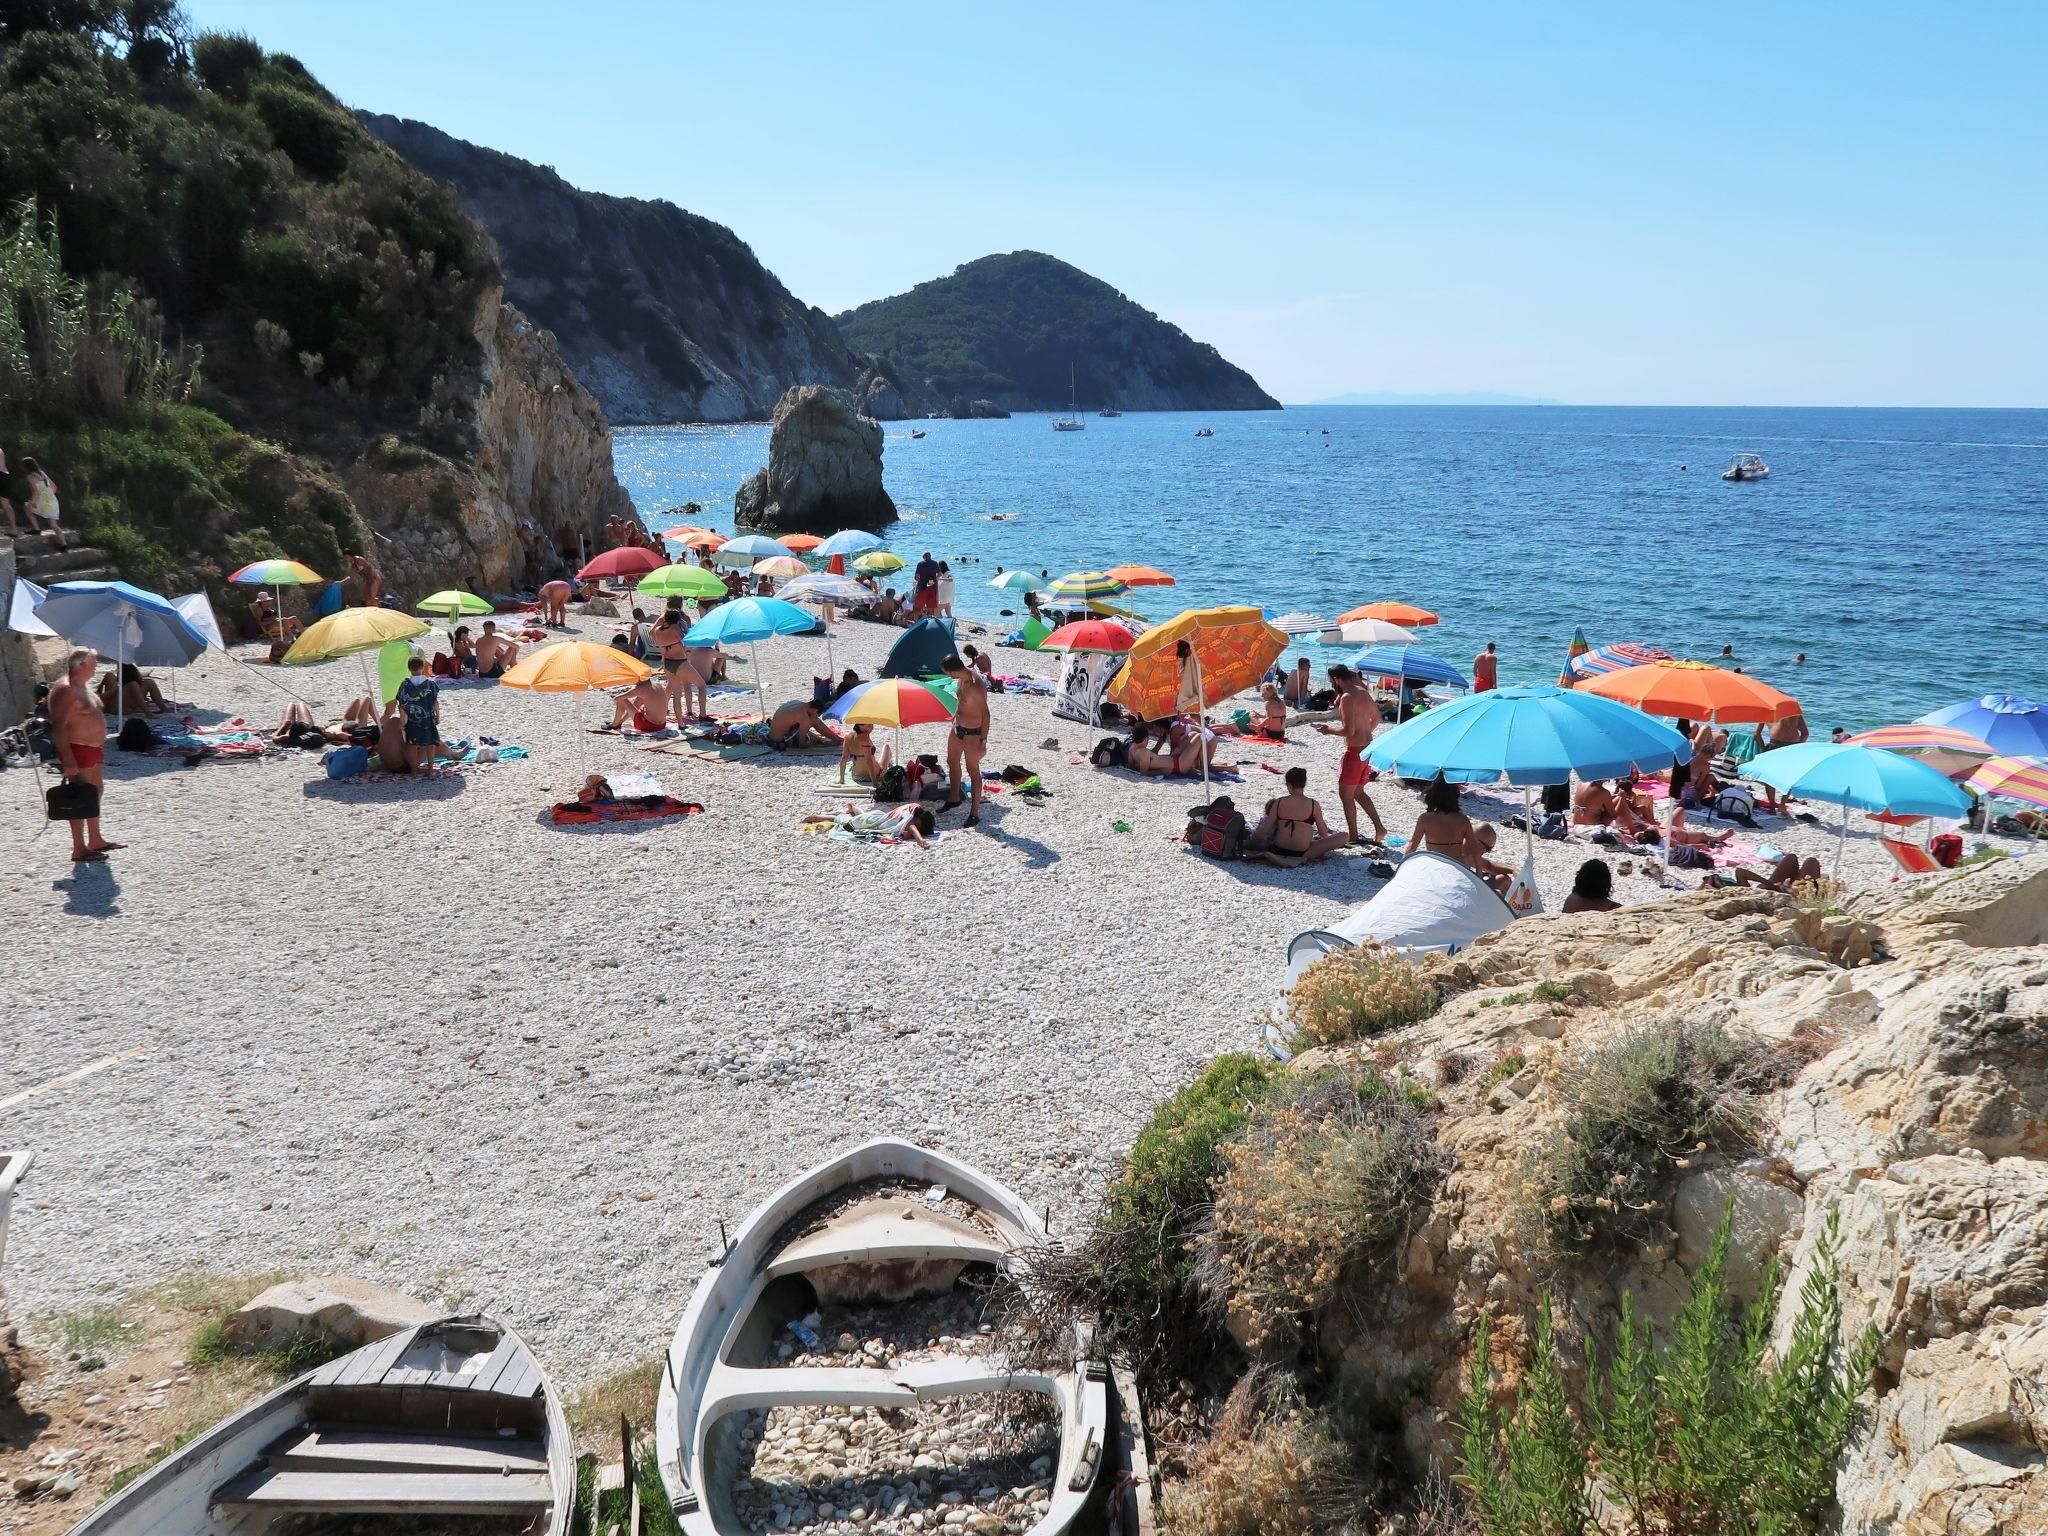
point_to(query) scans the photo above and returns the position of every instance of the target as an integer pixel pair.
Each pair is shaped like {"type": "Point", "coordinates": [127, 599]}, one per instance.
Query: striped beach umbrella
{"type": "Point", "coordinates": [1303, 624]}
{"type": "Point", "coordinates": [1084, 585]}
{"type": "Point", "coordinates": [2013, 778]}
{"type": "Point", "coordinates": [1942, 748]}
{"type": "Point", "coordinates": [1579, 646]}
{"type": "Point", "coordinates": [1602, 659]}
{"type": "Point", "coordinates": [781, 567]}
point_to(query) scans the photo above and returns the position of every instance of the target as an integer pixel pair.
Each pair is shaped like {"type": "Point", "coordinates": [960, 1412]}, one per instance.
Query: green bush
{"type": "Point", "coordinates": [1709, 1435]}
{"type": "Point", "coordinates": [1639, 1110]}
{"type": "Point", "coordinates": [226, 62]}
{"type": "Point", "coordinates": [313, 134]}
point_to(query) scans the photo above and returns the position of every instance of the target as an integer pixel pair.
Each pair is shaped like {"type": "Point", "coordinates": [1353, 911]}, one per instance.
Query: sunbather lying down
{"type": "Point", "coordinates": [911, 822]}
{"type": "Point", "coordinates": [1786, 873]}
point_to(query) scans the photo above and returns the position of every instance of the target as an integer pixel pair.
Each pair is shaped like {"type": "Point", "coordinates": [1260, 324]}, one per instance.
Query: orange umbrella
{"type": "Point", "coordinates": [1405, 614]}
{"type": "Point", "coordinates": [1140, 575]}
{"type": "Point", "coordinates": [802, 543]}
{"type": "Point", "coordinates": [704, 538]}
{"type": "Point", "coordinates": [578, 667]}
{"type": "Point", "coordinates": [682, 531]}
{"type": "Point", "coordinates": [1695, 690]}
{"type": "Point", "coordinates": [1230, 650]}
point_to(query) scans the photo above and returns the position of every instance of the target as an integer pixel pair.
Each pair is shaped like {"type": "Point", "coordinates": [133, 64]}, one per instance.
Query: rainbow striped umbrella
{"type": "Point", "coordinates": [891, 701]}
{"type": "Point", "coordinates": [1942, 748]}
{"type": "Point", "coordinates": [1087, 584]}
{"type": "Point", "coordinates": [1579, 646]}
{"type": "Point", "coordinates": [1602, 659]}
{"type": "Point", "coordinates": [276, 573]}
{"type": "Point", "coordinates": [2013, 778]}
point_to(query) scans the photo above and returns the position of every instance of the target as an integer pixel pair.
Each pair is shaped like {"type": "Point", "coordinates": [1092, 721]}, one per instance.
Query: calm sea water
{"type": "Point", "coordinates": [1904, 551]}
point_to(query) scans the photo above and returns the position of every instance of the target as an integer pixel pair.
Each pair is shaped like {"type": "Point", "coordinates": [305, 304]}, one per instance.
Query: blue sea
{"type": "Point", "coordinates": [1904, 551]}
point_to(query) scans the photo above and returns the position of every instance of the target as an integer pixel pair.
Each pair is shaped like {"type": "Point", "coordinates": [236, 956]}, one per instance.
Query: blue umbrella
{"type": "Point", "coordinates": [1869, 778]}
{"type": "Point", "coordinates": [745, 620]}
{"type": "Point", "coordinates": [1529, 734]}
{"type": "Point", "coordinates": [2011, 724]}
{"type": "Point", "coordinates": [750, 547]}
{"type": "Point", "coordinates": [121, 621]}
{"type": "Point", "coordinates": [1404, 662]}
{"type": "Point", "coordinates": [850, 541]}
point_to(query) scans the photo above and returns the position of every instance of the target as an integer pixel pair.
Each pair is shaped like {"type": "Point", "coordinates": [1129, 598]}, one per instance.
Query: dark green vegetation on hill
{"type": "Point", "coordinates": [1008, 328]}
{"type": "Point", "coordinates": [204, 250]}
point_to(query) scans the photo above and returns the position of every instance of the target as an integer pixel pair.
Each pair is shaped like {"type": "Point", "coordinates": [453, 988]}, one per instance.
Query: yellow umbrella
{"type": "Point", "coordinates": [1232, 647]}
{"type": "Point", "coordinates": [350, 633]}
{"type": "Point", "coordinates": [578, 667]}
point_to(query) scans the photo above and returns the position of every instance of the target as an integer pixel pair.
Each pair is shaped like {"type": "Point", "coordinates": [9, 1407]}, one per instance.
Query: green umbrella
{"type": "Point", "coordinates": [453, 604]}
{"type": "Point", "coordinates": [681, 581]}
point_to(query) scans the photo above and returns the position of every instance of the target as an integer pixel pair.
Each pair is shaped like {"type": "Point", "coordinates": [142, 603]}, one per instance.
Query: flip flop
{"type": "Point", "coordinates": [90, 856]}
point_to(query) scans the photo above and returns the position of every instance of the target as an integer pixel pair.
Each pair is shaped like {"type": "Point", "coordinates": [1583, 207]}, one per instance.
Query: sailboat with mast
{"type": "Point", "coordinates": [1071, 422]}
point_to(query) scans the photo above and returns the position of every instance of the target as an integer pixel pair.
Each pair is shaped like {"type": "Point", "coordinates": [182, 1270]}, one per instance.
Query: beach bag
{"type": "Point", "coordinates": [889, 788]}
{"type": "Point", "coordinates": [136, 736]}
{"type": "Point", "coordinates": [346, 762]}
{"type": "Point", "coordinates": [1947, 849]}
{"type": "Point", "coordinates": [1737, 804]}
{"type": "Point", "coordinates": [1218, 829]}
{"type": "Point", "coordinates": [1557, 798]}
{"type": "Point", "coordinates": [1686, 856]}
{"type": "Point", "coordinates": [72, 800]}
{"type": "Point", "coordinates": [1111, 752]}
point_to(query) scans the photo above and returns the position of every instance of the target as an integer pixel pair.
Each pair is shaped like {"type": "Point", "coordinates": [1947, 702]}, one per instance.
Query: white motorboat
{"type": "Point", "coordinates": [449, 1422]}
{"type": "Point", "coordinates": [1746, 466]}
{"type": "Point", "coordinates": [887, 1239]}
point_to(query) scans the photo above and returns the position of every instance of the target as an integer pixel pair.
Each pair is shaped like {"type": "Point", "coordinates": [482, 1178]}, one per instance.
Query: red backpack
{"type": "Point", "coordinates": [1218, 829]}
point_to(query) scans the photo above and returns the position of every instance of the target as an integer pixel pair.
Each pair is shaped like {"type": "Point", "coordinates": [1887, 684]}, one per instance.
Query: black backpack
{"type": "Point", "coordinates": [1111, 752]}
{"type": "Point", "coordinates": [889, 787]}
{"type": "Point", "coordinates": [137, 735]}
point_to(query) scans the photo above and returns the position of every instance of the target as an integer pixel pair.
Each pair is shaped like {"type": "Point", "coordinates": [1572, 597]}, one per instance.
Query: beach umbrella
{"type": "Point", "coordinates": [1407, 615]}
{"type": "Point", "coordinates": [578, 667]}
{"type": "Point", "coordinates": [1231, 649]}
{"type": "Point", "coordinates": [824, 589]}
{"type": "Point", "coordinates": [682, 531]}
{"type": "Point", "coordinates": [626, 562]}
{"type": "Point", "coordinates": [801, 543]}
{"type": "Point", "coordinates": [1601, 659]}
{"type": "Point", "coordinates": [891, 701]}
{"type": "Point", "coordinates": [124, 622]}
{"type": "Point", "coordinates": [1020, 581]}
{"type": "Point", "coordinates": [1083, 585]}
{"type": "Point", "coordinates": [848, 541]}
{"type": "Point", "coordinates": [1298, 624]}
{"type": "Point", "coordinates": [1139, 575]}
{"type": "Point", "coordinates": [1405, 661]}
{"type": "Point", "coordinates": [2011, 778]}
{"type": "Point", "coordinates": [746, 620]}
{"type": "Point", "coordinates": [1529, 734]}
{"type": "Point", "coordinates": [2011, 724]}
{"type": "Point", "coordinates": [781, 567]}
{"type": "Point", "coordinates": [1094, 637]}
{"type": "Point", "coordinates": [1578, 647]}
{"type": "Point", "coordinates": [350, 633]}
{"type": "Point", "coordinates": [1695, 690]}
{"type": "Point", "coordinates": [276, 574]}
{"type": "Point", "coordinates": [21, 609]}
{"type": "Point", "coordinates": [747, 548]}
{"type": "Point", "coordinates": [453, 604]}
{"type": "Point", "coordinates": [1368, 632]}
{"type": "Point", "coordinates": [680, 581]}
{"type": "Point", "coordinates": [1940, 747]}
{"type": "Point", "coordinates": [878, 562]}
{"type": "Point", "coordinates": [703, 538]}
{"type": "Point", "coordinates": [1867, 778]}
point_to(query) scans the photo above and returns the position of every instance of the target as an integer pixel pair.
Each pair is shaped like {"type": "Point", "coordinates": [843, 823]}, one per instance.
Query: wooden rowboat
{"type": "Point", "coordinates": [885, 1226]}
{"type": "Point", "coordinates": [449, 1422]}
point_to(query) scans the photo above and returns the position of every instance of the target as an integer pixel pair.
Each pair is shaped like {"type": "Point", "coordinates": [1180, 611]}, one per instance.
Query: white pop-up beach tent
{"type": "Point", "coordinates": [1433, 906]}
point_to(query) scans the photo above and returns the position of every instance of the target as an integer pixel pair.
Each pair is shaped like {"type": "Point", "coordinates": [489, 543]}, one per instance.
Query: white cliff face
{"type": "Point", "coordinates": [1919, 1121]}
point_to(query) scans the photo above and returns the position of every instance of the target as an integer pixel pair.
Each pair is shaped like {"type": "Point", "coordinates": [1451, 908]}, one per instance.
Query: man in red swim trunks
{"type": "Point", "coordinates": [1357, 718]}
{"type": "Point", "coordinates": [78, 726]}
{"type": "Point", "coordinates": [1485, 670]}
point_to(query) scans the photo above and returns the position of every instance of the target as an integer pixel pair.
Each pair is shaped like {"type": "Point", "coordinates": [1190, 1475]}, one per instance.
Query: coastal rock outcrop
{"type": "Point", "coordinates": [1912, 1030]}
{"type": "Point", "coordinates": [824, 468]}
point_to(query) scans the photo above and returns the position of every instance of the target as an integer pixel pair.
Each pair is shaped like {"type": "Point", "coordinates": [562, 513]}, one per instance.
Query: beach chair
{"type": "Point", "coordinates": [1910, 857]}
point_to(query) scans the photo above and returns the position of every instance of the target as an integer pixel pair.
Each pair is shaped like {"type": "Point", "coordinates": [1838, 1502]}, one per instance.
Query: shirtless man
{"type": "Point", "coordinates": [369, 581]}
{"type": "Point", "coordinates": [494, 653]}
{"type": "Point", "coordinates": [1300, 687]}
{"type": "Point", "coordinates": [798, 724]}
{"type": "Point", "coordinates": [644, 705]}
{"type": "Point", "coordinates": [968, 740]}
{"type": "Point", "coordinates": [554, 603]}
{"type": "Point", "coordinates": [1485, 670]}
{"type": "Point", "coordinates": [78, 726]}
{"type": "Point", "coordinates": [1357, 718]}
{"type": "Point", "coordinates": [667, 636]}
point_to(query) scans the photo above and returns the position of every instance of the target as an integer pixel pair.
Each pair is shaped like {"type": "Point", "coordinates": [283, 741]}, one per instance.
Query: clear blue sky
{"type": "Point", "coordinates": [1829, 204]}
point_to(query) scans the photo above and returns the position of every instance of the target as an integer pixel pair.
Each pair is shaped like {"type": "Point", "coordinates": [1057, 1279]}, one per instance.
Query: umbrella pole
{"type": "Point", "coordinates": [1841, 842]}
{"type": "Point", "coordinates": [1201, 733]}
{"type": "Point", "coordinates": [120, 688]}
{"type": "Point", "coordinates": [1528, 827]}
{"type": "Point", "coordinates": [760, 693]}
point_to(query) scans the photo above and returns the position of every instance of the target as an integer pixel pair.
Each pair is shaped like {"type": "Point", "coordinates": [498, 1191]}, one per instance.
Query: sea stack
{"type": "Point", "coordinates": [824, 468]}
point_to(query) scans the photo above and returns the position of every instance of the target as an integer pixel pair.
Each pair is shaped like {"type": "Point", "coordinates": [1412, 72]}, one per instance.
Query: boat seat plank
{"type": "Point", "coordinates": [344, 1448]}
{"type": "Point", "coordinates": [521, 1378]}
{"type": "Point", "coordinates": [501, 1360]}
{"type": "Point", "coordinates": [364, 1364]}
{"type": "Point", "coordinates": [409, 1493]}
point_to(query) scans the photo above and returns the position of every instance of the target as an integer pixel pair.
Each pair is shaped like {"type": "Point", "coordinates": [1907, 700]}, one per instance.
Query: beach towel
{"type": "Point", "coordinates": [573, 813]}
{"type": "Point", "coordinates": [710, 751]}
{"type": "Point", "coordinates": [850, 789]}
{"type": "Point", "coordinates": [494, 752]}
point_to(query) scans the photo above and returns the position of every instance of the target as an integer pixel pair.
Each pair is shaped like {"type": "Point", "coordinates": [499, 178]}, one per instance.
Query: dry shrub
{"type": "Point", "coordinates": [1319, 1190]}
{"type": "Point", "coordinates": [1351, 994]}
{"type": "Point", "coordinates": [1273, 1467]}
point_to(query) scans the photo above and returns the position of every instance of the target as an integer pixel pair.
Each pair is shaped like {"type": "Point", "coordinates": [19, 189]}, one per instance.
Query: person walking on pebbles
{"type": "Point", "coordinates": [78, 727]}
{"type": "Point", "coordinates": [967, 742]}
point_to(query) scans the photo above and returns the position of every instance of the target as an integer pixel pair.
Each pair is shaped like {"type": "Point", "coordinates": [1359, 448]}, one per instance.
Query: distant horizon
{"type": "Point", "coordinates": [1462, 401]}
{"type": "Point", "coordinates": [1814, 206]}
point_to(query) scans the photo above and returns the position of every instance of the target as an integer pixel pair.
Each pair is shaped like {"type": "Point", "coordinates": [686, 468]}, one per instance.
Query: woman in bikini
{"type": "Point", "coordinates": [1443, 827]}
{"type": "Point", "coordinates": [1293, 830]}
{"type": "Point", "coordinates": [858, 754]}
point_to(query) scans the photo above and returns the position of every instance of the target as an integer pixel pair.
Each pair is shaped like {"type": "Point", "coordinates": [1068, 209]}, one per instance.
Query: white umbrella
{"type": "Point", "coordinates": [1302, 624]}
{"type": "Point", "coordinates": [1368, 632]}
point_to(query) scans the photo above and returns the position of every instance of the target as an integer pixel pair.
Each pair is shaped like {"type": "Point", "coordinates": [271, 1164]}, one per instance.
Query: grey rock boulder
{"type": "Point", "coordinates": [824, 469]}
{"type": "Point", "coordinates": [326, 1309]}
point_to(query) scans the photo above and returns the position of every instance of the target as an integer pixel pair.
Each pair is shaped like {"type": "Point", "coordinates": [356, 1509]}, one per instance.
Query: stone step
{"type": "Point", "coordinates": [27, 544]}
{"type": "Point", "coordinates": [87, 573]}
{"type": "Point", "coordinates": [43, 569]}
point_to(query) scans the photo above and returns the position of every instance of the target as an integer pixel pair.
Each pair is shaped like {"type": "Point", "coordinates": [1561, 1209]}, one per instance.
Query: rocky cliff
{"type": "Point", "coordinates": [665, 315]}
{"type": "Point", "coordinates": [1009, 328]}
{"type": "Point", "coordinates": [1914, 1110]}
{"type": "Point", "coordinates": [824, 469]}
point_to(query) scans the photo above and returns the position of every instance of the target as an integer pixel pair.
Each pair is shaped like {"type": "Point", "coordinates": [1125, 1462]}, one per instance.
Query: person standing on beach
{"type": "Point", "coordinates": [420, 700]}
{"type": "Point", "coordinates": [924, 585]}
{"type": "Point", "coordinates": [667, 636]}
{"type": "Point", "coordinates": [1357, 718]}
{"type": "Point", "coordinates": [1485, 670]}
{"type": "Point", "coordinates": [78, 727]}
{"type": "Point", "coordinates": [967, 742]}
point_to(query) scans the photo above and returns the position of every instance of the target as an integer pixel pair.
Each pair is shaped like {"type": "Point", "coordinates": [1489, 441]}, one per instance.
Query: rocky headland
{"type": "Point", "coordinates": [824, 469]}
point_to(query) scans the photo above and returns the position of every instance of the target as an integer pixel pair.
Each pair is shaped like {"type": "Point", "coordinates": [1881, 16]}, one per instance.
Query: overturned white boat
{"type": "Point", "coordinates": [12, 1166]}
{"type": "Point", "coordinates": [882, 1240]}
{"type": "Point", "coordinates": [448, 1425]}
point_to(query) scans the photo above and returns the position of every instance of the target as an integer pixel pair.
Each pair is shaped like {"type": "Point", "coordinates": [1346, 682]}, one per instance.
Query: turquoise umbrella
{"type": "Point", "coordinates": [1869, 778]}
{"type": "Point", "coordinates": [748, 548]}
{"type": "Point", "coordinates": [848, 541]}
{"type": "Point", "coordinates": [745, 620]}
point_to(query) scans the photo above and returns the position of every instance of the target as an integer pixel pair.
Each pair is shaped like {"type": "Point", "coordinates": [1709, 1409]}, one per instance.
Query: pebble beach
{"type": "Point", "coordinates": [413, 1031]}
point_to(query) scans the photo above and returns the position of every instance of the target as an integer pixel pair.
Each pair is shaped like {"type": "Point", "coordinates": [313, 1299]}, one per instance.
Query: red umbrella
{"type": "Point", "coordinates": [1094, 635]}
{"type": "Point", "coordinates": [628, 560]}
